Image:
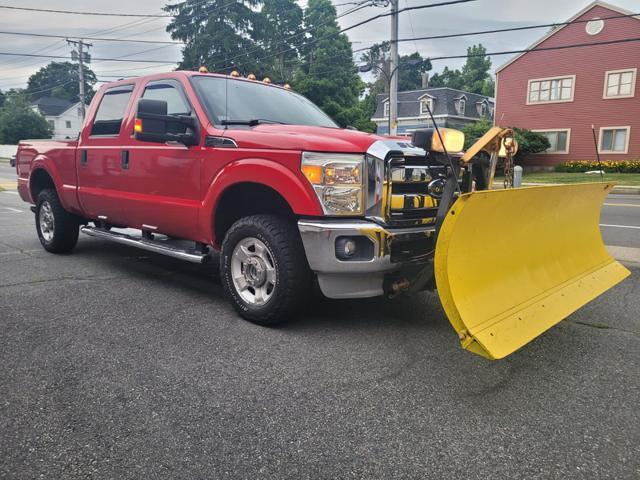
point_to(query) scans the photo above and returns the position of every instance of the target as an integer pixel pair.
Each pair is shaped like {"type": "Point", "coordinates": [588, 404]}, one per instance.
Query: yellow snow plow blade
{"type": "Point", "coordinates": [510, 264]}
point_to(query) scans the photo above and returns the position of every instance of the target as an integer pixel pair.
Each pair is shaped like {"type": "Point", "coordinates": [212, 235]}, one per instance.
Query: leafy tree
{"type": "Point", "coordinates": [474, 76]}
{"type": "Point", "coordinates": [409, 74]}
{"type": "Point", "coordinates": [60, 80]}
{"type": "Point", "coordinates": [218, 33]}
{"type": "Point", "coordinates": [280, 33]}
{"type": "Point", "coordinates": [18, 121]}
{"type": "Point", "coordinates": [448, 78]}
{"type": "Point", "coordinates": [410, 71]}
{"type": "Point", "coordinates": [528, 142]}
{"type": "Point", "coordinates": [327, 75]}
{"type": "Point", "coordinates": [3, 97]}
{"type": "Point", "coordinates": [475, 71]}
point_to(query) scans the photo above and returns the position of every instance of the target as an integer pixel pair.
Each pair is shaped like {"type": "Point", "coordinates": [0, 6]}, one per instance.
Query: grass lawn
{"type": "Point", "coordinates": [558, 177]}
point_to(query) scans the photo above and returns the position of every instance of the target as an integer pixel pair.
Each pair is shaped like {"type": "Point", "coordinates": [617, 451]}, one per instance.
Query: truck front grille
{"type": "Point", "coordinates": [410, 199]}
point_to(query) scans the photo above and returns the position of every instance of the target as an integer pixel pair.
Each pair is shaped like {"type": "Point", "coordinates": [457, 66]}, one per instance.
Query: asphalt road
{"type": "Point", "coordinates": [117, 363]}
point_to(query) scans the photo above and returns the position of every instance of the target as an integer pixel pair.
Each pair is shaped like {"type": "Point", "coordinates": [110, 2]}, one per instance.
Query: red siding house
{"type": "Point", "coordinates": [563, 92]}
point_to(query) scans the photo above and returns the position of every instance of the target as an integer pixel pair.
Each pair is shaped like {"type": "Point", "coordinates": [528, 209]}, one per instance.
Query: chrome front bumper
{"type": "Point", "coordinates": [394, 249]}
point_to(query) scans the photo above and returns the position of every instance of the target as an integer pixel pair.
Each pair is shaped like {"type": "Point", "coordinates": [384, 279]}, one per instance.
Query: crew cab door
{"type": "Point", "coordinates": [163, 178]}
{"type": "Point", "coordinates": [101, 189]}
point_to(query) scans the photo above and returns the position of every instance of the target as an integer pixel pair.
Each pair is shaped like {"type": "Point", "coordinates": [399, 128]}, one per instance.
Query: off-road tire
{"type": "Point", "coordinates": [294, 278]}
{"type": "Point", "coordinates": [66, 225]}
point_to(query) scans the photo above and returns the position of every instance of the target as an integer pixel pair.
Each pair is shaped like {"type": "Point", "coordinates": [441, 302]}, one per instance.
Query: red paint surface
{"type": "Point", "coordinates": [173, 187]}
{"type": "Point", "coordinates": [589, 64]}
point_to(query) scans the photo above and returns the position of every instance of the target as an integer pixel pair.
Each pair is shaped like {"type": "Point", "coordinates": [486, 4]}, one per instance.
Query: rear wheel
{"type": "Point", "coordinates": [264, 269]}
{"type": "Point", "coordinates": [57, 229]}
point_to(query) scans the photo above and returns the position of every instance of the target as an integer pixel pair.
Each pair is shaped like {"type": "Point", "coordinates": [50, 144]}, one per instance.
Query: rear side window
{"type": "Point", "coordinates": [111, 111]}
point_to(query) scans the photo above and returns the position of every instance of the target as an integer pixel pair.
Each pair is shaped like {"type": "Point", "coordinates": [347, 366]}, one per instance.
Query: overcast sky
{"type": "Point", "coordinates": [478, 15]}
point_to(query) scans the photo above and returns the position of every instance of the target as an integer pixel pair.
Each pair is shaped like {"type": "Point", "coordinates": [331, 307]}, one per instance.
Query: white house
{"type": "Point", "coordinates": [64, 117]}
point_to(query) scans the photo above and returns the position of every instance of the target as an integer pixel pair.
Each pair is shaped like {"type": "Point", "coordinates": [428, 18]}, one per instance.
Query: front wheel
{"type": "Point", "coordinates": [264, 269]}
{"type": "Point", "coordinates": [57, 229]}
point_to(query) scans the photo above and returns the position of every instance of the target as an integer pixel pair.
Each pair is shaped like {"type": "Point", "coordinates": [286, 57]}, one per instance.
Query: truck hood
{"type": "Point", "coordinates": [302, 137]}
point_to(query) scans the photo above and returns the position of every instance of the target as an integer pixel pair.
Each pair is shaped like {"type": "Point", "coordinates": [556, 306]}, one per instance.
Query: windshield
{"type": "Point", "coordinates": [234, 101]}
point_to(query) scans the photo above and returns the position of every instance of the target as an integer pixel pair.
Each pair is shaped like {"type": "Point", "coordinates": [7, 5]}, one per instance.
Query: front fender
{"type": "Point", "coordinates": [293, 188]}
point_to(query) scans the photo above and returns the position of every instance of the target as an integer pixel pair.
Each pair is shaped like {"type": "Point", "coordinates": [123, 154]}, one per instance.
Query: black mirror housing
{"type": "Point", "coordinates": [152, 121]}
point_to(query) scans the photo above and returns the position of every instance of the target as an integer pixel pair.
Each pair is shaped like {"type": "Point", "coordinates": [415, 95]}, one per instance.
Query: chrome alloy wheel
{"type": "Point", "coordinates": [46, 221]}
{"type": "Point", "coordinates": [253, 271]}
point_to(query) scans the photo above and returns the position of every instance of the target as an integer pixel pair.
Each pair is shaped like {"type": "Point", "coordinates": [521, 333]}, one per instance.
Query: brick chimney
{"type": "Point", "coordinates": [425, 79]}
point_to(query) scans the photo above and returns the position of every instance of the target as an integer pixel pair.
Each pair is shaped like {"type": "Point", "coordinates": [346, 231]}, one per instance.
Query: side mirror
{"type": "Point", "coordinates": [152, 124]}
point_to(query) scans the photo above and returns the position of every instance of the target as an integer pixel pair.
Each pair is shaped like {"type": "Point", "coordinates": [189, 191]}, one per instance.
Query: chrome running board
{"type": "Point", "coordinates": [189, 255]}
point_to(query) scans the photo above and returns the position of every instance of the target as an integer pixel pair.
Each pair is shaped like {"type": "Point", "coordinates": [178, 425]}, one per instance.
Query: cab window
{"type": "Point", "coordinates": [169, 92]}
{"type": "Point", "coordinates": [111, 111]}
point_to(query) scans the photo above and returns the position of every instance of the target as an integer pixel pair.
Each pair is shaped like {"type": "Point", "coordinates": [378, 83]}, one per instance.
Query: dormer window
{"type": "Point", "coordinates": [462, 106]}
{"type": "Point", "coordinates": [426, 104]}
{"type": "Point", "coordinates": [386, 109]}
{"type": "Point", "coordinates": [483, 109]}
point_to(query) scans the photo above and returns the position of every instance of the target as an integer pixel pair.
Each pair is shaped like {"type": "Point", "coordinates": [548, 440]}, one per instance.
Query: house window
{"type": "Point", "coordinates": [614, 139]}
{"type": "Point", "coordinates": [386, 109]}
{"type": "Point", "coordinates": [67, 124]}
{"type": "Point", "coordinates": [79, 112]}
{"type": "Point", "coordinates": [483, 109]}
{"type": "Point", "coordinates": [52, 124]}
{"type": "Point", "coordinates": [426, 104]}
{"type": "Point", "coordinates": [462, 106]}
{"type": "Point", "coordinates": [558, 140]}
{"type": "Point", "coordinates": [620, 83]}
{"type": "Point", "coordinates": [551, 90]}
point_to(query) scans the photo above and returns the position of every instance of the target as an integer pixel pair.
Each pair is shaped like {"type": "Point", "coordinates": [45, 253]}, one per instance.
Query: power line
{"type": "Point", "coordinates": [93, 59]}
{"type": "Point", "coordinates": [351, 27]}
{"type": "Point", "coordinates": [512, 29]}
{"type": "Point", "coordinates": [72, 12]}
{"type": "Point", "coordinates": [93, 39]}
{"type": "Point", "coordinates": [540, 49]}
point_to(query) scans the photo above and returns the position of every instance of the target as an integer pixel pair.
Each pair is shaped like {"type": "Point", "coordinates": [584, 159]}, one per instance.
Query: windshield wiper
{"type": "Point", "coordinates": [252, 123]}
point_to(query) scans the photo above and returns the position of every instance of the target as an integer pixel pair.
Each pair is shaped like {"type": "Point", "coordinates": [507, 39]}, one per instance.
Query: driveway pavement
{"type": "Point", "coordinates": [117, 363]}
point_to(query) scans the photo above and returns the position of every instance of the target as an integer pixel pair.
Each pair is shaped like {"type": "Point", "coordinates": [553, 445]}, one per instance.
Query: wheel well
{"type": "Point", "coordinates": [246, 199]}
{"type": "Point", "coordinates": [40, 180]}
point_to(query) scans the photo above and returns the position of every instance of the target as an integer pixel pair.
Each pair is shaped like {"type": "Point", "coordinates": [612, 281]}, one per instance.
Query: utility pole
{"type": "Point", "coordinates": [393, 88]}
{"type": "Point", "coordinates": [82, 57]}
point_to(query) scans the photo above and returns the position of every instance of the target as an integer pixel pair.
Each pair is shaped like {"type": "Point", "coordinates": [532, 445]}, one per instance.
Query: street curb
{"type": "Point", "coordinates": [627, 255]}
{"type": "Point", "coordinates": [622, 189]}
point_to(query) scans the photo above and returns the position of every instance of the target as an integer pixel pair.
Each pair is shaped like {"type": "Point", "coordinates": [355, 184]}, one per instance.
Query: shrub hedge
{"type": "Point", "coordinates": [609, 166]}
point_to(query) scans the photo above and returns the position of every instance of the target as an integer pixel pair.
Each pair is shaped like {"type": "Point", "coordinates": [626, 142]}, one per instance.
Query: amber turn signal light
{"type": "Point", "coordinates": [137, 126]}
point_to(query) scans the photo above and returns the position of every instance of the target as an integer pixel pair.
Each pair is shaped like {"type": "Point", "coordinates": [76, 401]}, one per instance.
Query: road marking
{"type": "Point", "coordinates": [621, 205]}
{"type": "Point", "coordinates": [13, 210]}
{"type": "Point", "coordinates": [618, 226]}
{"type": "Point", "coordinates": [9, 185]}
{"type": "Point", "coordinates": [11, 192]}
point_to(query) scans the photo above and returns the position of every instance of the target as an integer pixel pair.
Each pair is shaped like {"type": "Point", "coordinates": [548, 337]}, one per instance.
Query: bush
{"type": "Point", "coordinates": [609, 166]}
{"type": "Point", "coordinates": [528, 141]}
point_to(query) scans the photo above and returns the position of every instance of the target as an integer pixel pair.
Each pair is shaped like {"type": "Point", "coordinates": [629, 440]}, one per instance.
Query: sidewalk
{"type": "Point", "coordinates": [623, 189]}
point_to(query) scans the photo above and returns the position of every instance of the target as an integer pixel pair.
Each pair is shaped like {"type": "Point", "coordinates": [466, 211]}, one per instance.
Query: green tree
{"type": "Point", "coordinates": [3, 97]}
{"type": "Point", "coordinates": [528, 142]}
{"type": "Point", "coordinates": [218, 33]}
{"type": "Point", "coordinates": [18, 121]}
{"type": "Point", "coordinates": [474, 76]}
{"type": "Point", "coordinates": [60, 80]}
{"type": "Point", "coordinates": [448, 78]}
{"type": "Point", "coordinates": [280, 33]}
{"type": "Point", "coordinates": [410, 71]}
{"type": "Point", "coordinates": [327, 75]}
{"type": "Point", "coordinates": [475, 72]}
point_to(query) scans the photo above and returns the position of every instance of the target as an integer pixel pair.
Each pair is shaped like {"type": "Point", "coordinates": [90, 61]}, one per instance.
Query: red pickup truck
{"type": "Point", "coordinates": [253, 170]}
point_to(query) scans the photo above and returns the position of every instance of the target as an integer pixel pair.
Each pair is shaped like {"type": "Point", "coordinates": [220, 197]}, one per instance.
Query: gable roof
{"type": "Point", "coordinates": [591, 6]}
{"type": "Point", "coordinates": [52, 106]}
{"type": "Point", "coordinates": [444, 102]}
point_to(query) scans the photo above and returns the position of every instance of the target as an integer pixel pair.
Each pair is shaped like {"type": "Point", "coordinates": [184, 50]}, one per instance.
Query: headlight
{"type": "Point", "coordinates": [337, 181]}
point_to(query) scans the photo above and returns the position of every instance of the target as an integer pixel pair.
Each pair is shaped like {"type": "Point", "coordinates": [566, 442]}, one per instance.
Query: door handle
{"type": "Point", "coordinates": [125, 159]}
{"type": "Point", "coordinates": [83, 158]}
